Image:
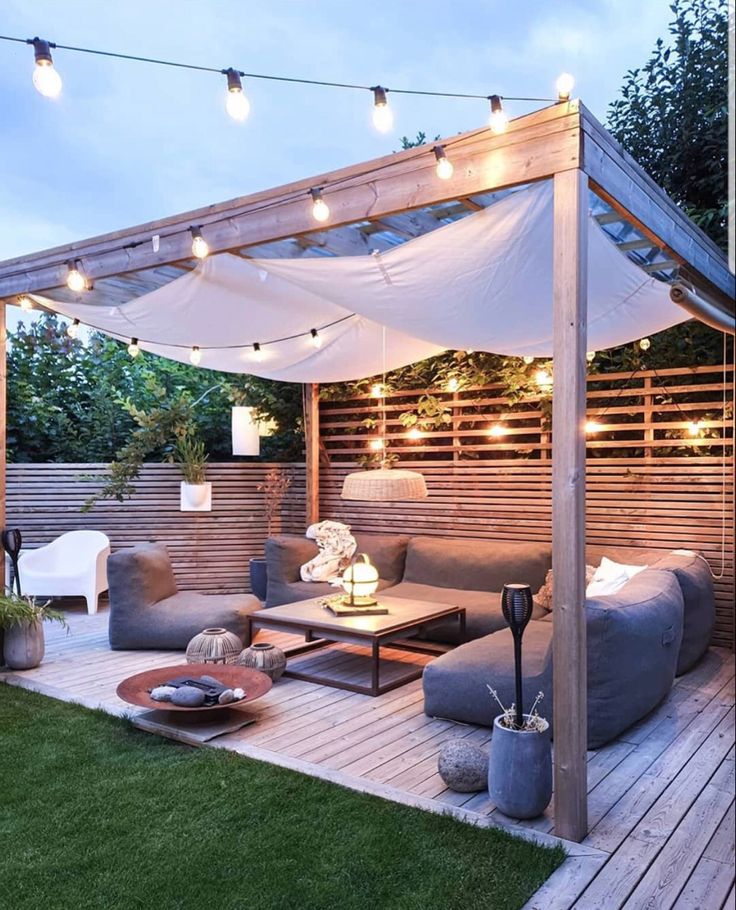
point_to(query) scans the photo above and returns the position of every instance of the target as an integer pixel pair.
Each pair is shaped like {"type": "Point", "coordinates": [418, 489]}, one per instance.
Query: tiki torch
{"type": "Point", "coordinates": [517, 604]}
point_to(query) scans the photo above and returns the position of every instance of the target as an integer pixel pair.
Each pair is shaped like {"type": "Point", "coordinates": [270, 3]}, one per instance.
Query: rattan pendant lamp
{"type": "Point", "coordinates": [384, 483]}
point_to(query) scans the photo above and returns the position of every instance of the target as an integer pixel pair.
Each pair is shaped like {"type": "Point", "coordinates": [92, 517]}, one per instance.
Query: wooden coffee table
{"type": "Point", "coordinates": [321, 628]}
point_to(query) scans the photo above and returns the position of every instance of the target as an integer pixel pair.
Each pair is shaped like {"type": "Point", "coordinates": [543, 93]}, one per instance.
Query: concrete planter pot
{"type": "Point", "coordinates": [24, 645]}
{"type": "Point", "coordinates": [520, 770]}
{"type": "Point", "coordinates": [195, 497]}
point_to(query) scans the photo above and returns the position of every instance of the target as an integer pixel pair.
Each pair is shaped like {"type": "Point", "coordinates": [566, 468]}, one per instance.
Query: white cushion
{"type": "Point", "coordinates": [610, 576]}
{"type": "Point", "coordinates": [610, 567]}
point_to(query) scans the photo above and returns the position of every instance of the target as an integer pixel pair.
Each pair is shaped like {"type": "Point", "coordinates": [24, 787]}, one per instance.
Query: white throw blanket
{"type": "Point", "coordinates": [336, 548]}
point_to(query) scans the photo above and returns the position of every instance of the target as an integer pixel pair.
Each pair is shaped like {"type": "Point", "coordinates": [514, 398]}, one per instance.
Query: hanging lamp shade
{"type": "Point", "coordinates": [246, 438]}
{"type": "Point", "coordinates": [384, 485]}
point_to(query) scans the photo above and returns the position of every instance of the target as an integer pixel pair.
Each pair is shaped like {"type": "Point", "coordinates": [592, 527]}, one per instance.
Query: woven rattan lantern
{"type": "Point", "coordinates": [384, 485]}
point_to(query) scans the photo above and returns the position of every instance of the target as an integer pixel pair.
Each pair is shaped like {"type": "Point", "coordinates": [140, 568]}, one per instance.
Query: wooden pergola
{"type": "Point", "coordinates": [380, 203]}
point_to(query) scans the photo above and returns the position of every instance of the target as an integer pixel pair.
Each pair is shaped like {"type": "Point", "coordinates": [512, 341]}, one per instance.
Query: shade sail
{"type": "Point", "coordinates": [484, 282]}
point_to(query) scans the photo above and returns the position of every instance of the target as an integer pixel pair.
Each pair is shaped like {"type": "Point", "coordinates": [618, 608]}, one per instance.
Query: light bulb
{"type": "Point", "coordinates": [695, 427]}
{"type": "Point", "coordinates": [499, 119]}
{"type": "Point", "coordinates": [592, 426]}
{"type": "Point", "coordinates": [200, 247]}
{"type": "Point", "coordinates": [543, 379]}
{"type": "Point", "coordinates": [564, 85]}
{"type": "Point", "coordinates": [320, 209]}
{"type": "Point", "coordinates": [377, 390]}
{"type": "Point", "coordinates": [528, 359]}
{"type": "Point", "coordinates": [25, 303]}
{"type": "Point", "coordinates": [645, 344]}
{"type": "Point", "coordinates": [237, 104]}
{"type": "Point", "coordinates": [316, 339]}
{"type": "Point", "coordinates": [195, 356]}
{"type": "Point", "coordinates": [377, 445]}
{"type": "Point", "coordinates": [133, 348]}
{"type": "Point", "coordinates": [383, 116]}
{"type": "Point", "coordinates": [72, 330]}
{"type": "Point", "coordinates": [415, 433]}
{"type": "Point", "coordinates": [46, 80]}
{"type": "Point", "coordinates": [257, 352]}
{"type": "Point", "coordinates": [444, 168]}
{"type": "Point", "coordinates": [590, 356]}
{"type": "Point", "coordinates": [497, 430]}
{"type": "Point", "coordinates": [75, 280]}
{"type": "Point", "coordinates": [452, 385]}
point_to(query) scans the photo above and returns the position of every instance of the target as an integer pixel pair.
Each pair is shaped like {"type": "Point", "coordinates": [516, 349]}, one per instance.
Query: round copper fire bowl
{"type": "Point", "coordinates": [135, 689]}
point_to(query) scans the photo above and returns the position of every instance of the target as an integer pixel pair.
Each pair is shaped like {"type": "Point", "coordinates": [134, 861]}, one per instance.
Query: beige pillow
{"type": "Point", "coordinates": [543, 597]}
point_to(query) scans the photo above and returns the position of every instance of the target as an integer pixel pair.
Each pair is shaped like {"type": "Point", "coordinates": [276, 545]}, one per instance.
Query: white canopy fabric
{"type": "Point", "coordinates": [481, 283]}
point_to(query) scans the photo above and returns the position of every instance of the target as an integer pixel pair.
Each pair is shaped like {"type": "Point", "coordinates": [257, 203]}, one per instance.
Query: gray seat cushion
{"type": "Point", "coordinates": [455, 684]}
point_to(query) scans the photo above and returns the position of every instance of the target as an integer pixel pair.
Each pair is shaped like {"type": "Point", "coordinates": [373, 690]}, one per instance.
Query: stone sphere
{"type": "Point", "coordinates": [463, 766]}
{"type": "Point", "coordinates": [188, 697]}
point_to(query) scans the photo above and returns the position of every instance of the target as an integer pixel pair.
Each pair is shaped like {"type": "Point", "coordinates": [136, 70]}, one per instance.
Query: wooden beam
{"type": "Point", "coordinates": [570, 288]}
{"type": "Point", "coordinates": [3, 417]}
{"type": "Point", "coordinates": [533, 148]}
{"type": "Point", "coordinates": [625, 186]}
{"type": "Point", "coordinates": [311, 443]}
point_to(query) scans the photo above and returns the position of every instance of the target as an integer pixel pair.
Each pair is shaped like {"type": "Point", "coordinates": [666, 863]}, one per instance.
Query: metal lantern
{"type": "Point", "coordinates": [517, 604]}
{"type": "Point", "coordinates": [360, 581]}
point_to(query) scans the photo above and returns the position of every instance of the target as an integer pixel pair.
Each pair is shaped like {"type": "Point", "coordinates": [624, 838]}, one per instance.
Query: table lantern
{"type": "Point", "coordinates": [360, 581]}
{"type": "Point", "coordinates": [517, 604]}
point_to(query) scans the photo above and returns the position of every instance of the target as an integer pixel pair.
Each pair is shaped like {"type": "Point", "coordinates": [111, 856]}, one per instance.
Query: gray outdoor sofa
{"type": "Point", "coordinates": [148, 611]}
{"type": "Point", "coordinates": [658, 625]}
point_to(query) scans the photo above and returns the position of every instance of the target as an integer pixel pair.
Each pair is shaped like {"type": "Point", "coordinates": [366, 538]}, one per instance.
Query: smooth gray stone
{"type": "Point", "coordinates": [188, 697]}
{"type": "Point", "coordinates": [210, 680]}
{"type": "Point", "coordinates": [162, 693]}
{"type": "Point", "coordinates": [226, 697]}
{"type": "Point", "coordinates": [463, 766]}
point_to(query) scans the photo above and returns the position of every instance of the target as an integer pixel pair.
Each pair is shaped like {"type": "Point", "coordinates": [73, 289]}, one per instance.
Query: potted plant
{"type": "Point", "coordinates": [196, 492]}
{"type": "Point", "coordinates": [21, 621]}
{"type": "Point", "coordinates": [274, 489]}
{"type": "Point", "coordinates": [520, 765]}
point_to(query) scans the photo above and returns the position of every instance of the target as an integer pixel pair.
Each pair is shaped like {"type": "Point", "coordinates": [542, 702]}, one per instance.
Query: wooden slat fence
{"type": "Point", "coordinates": [210, 550]}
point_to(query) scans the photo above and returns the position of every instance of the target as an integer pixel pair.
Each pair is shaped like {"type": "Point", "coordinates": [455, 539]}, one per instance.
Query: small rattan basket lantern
{"type": "Point", "coordinates": [384, 485]}
{"type": "Point", "coordinates": [214, 646]}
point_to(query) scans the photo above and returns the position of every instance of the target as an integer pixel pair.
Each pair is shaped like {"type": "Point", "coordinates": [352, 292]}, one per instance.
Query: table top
{"type": "Point", "coordinates": [402, 613]}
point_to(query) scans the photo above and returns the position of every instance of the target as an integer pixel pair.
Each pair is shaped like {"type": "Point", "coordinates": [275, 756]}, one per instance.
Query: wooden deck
{"type": "Point", "coordinates": [661, 797]}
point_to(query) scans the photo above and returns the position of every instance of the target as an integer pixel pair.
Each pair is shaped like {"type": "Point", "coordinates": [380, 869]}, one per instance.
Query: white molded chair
{"type": "Point", "coordinates": [73, 564]}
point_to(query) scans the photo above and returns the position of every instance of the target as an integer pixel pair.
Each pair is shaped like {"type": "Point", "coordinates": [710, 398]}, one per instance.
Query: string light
{"type": "Point", "coordinates": [528, 359]}
{"type": "Point", "coordinates": [543, 380]}
{"type": "Point", "coordinates": [695, 428]}
{"type": "Point", "coordinates": [195, 356]}
{"type": "Point", "coordinates": [564, 85]}
{"type": "Point", "coordinates": [497, 430]}
{"type": "Point", "coordinates": [133, 348]}
{"type": "Point", "coordinates": [453, 385]}
{"type": "Point", "coordinates": [257, 352]}
{"type": "Point", "coordinates": [72, 329]}
{"type": "Point", "coordinates": [378, 445]}
{"type": "Point", "coordinates": [415, 433]}
{"type": "Point", "coordinates": [590, 356]}
{"type": "Point", "coordinates": [376, 390]}
{"type": "Point", "coordinates": [316, 339]}
{"type": "Point", "coordinates": [46, 80]}
{"type": "Point", "coordinates": [75, 280]}
{"type": "Point", "coordinates": [320, 209]}
{"type": "Point", "coordinates": [383, 116]}
{"type": "Point", "coordinates": [499, 119]}
{"type": "Point", "coordinates": [592, 426]}
{"type": "Point", "coordinates": [25, 303]}
{"type": "Point", "coordinates": [200, 247]}
{"type": "Point", "coordinates": [645, 344]}
{"type": "Point", "coordinates": [237, 104]}
{"type": "Point", "coordinates": [444, 168]}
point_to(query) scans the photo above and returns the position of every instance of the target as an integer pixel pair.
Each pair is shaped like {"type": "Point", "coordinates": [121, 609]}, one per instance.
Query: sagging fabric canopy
{"type": "Point", "coordinates": [481, 283]}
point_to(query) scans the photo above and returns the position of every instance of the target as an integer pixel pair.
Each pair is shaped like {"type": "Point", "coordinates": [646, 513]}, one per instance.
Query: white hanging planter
{"type": "Point", "coordinates": [195, 497]}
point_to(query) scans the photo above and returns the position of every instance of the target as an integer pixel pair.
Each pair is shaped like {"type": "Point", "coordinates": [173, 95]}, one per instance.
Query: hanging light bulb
{"type": "Point", "coordinates": [592, 426]}
{"type": "Point", "coordinates": [200, 247]}
{"type": "Point", "coordinates": [444, 166]}
{"type": "Point", "coordinates": [377, 445]}
{"type": "Point", "coordinates": [564, 85]}
{"type": "Point", "coordinates": [316, 339]}
{"type": "Point", "coordinates": [590, 356]}
{"type": "Point", "coordinates": [237, 104]}
{"type": "Point", "coordinates": [257, 352]}
{"type": "Point", "coordinates": [415, 433]}
{"type": "Point", "coordinates": [133, 348]}
{"type": "Point", "coordinates": [46, 80]}
{"type": "Point", "coordinates": [452, 385]}
{"type": "Point", "coordinates": [75, 280]}
{"type": "Point", "coordinates": [528, 359]}
{"type": "Point", "coordinates": [695, 428]}
{"type": "Point", "coordinates": [320, 209]}
{"type": "Point", "coordinates": [497, 430]}
{"type": "Point", "coordinates": [72, 329]}
{"type": "Point", "coordinates": [377, 390]}
{"type": "Point", "coordinates": [25, 303]}
{"type": "Point", "coordinates": [383, 116]}
{"type": "Point", "coordinates": [499, 119]}
{"type": "Point", "coordinates": [645, 344]}
{"type": "Point", "coordinates": [543, 380]}
{"type": "Point", "coordinates": [195, 356]}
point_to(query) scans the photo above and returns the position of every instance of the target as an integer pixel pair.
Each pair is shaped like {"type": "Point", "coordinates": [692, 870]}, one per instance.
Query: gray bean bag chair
{"type": "Point", "coordinates": [147, 610]}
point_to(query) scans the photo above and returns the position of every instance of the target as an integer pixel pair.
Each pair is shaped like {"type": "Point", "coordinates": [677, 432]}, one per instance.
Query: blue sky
{"type": "Point", "coordinates": [128, 142]}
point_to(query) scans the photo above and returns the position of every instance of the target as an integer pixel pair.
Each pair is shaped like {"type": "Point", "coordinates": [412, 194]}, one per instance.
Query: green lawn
{"type": "Point", "coordinates": [95, 814]}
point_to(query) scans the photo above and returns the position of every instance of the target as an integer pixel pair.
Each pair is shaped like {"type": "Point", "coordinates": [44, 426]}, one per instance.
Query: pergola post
{"type": "Point", "coordinates": [570, 286]}
{"type": "Point", "coordinates": [3, 413]}
{"type": "Point", "coordinates": [311, 444]}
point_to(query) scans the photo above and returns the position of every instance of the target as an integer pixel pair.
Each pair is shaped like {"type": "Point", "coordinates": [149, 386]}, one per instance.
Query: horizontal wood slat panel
{"type": "Point", "coordinates": [209, 550]}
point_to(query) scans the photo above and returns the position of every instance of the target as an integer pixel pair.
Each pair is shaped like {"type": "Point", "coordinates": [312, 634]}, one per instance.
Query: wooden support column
{"type": "Point", "coordinates": [311, 442]}
{"type": "Point", "coordinates": [3, 413]}
{"type": "Point", "coordinates": [570, 284]}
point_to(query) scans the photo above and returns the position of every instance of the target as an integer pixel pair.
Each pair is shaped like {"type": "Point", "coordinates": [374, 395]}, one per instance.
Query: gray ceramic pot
{"type": "Point", "coordinates": [520, 771]}
{"type": "Point", "coordinates": [24, 645]}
